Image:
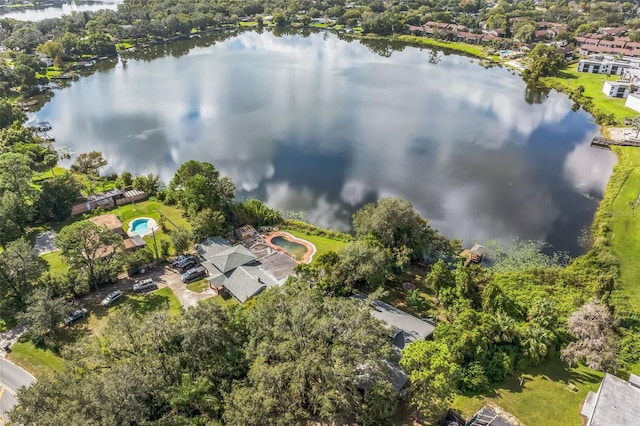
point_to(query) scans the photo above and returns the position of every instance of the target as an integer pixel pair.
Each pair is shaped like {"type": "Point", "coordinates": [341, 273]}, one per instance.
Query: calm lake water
{"type": "Point", "coordinates": [320, 125]}
{"type": "Point", "coordinates": [56, 11]}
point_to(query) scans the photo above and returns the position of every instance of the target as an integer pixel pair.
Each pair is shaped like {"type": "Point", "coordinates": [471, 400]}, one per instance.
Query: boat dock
{"type": "Point", "coordinates": [600, 142]}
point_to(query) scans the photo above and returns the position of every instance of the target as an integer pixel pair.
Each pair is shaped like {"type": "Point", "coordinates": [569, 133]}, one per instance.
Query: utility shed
{"type": "Point", "coordinates": [617, 402]}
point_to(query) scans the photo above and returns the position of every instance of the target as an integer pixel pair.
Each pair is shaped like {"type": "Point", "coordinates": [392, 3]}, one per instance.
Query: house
{"type": "Point", "coordinates": [617, 402]}
{"type": "Point", "coordinates": [487, 416]}
{"type": "Point", "coordinates": [404, 328]}
{"type": "Point", "coordinates": [618, 89]}
{"type": "Point", "coordinates": [108, 200]}
{"type": "Point", "coordinates": [113, 224]}
{"type": "Point", "coordinates": [633, 102]}
{"type": "Point", "coordinates": [233, 269]}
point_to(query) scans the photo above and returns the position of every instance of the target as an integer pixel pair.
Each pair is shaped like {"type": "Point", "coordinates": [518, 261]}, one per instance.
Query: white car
{"type": "Point", "coordinates": [144, 285]}
{"type": "Point", "coordinates": [112, 297]}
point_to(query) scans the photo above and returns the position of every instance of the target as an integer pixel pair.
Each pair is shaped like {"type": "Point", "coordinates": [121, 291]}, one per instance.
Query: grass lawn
{"type": "Point", "coordinates": [57, 267]}
{"type": "Point", "coordinates": [224, 300]}
{"type": "Point", "coordinates": [592, 83]}
{"type": "Point", "coordinates": [57, 171]}
{"type": "Point", "coordinates": [471, 49]}
{"type": "Point", "coordinates": [544, 398]}
{"type": "Point", "coordinates": [35, 360]}
{"type": "Point", "coordinates": [323, 244]}
{"type": "Point", "coordinates": [622, 206]}
{"type": "Point", "coordinates": [198, 286]}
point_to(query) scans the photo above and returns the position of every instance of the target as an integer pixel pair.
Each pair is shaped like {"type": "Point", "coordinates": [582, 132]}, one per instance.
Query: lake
{"type": "Point", "coordinates": [57, 10]}
{"type": "Point", "coordinates": [322, 125]}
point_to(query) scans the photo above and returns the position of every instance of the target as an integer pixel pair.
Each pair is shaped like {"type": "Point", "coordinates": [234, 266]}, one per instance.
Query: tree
{"type": "Point", "coordinates": [43, 314]}
{"type": "Point", "coordinates": [395, 224]}
{"type": "Point", "coordinates": [544, 61]}
{"type": "Point", "coordinates": [20, 268]}
{"type": "Point", "coordinates": [432, 374]}
{"type": "Point", "coordinates": [151, 184]}
{"type": "Point", "coordinates": [52, 49]}
{"type": "Point", "coordinates": [207, 223]}
{"type": "Point", "coordinates": [89, 163]}
{"type": "Point", "coordinates": [9, 114]}
{"type": "Point", "coordinates": [595, 346]}
{"type": "Point", "coordinates": [312, 357]}
{"type": "Point", "coordinates": [57, 197]}
{"type": "Point", "coordinates": [181, 239]}
{"type": "Point", "coordinates": [198, 185]}
{"type": "Point", "coordinates": [15, 214]}
{"type": "Point", "coordinates": [95, 250]}
{"type": "Point", "coordinates": [361, 266]}
{"type": "Point", "coordinates": [439, 277]}
{"type": "Point", "coordinates": [15, 173]}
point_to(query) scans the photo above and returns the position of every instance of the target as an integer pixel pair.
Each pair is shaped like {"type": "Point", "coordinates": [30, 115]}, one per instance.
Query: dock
{"type": "Point", "coordinates": [600, 142]}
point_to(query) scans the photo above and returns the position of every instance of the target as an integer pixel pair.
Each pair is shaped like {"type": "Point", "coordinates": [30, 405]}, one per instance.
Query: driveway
{"type": "Point", "coordinates": [12, 378]}
{"type": "Point", "coordinates": [163, 276]}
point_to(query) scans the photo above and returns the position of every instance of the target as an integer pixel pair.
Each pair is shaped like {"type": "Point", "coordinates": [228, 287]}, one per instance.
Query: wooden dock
{"type": "Point", "coordinates": [601, 142]}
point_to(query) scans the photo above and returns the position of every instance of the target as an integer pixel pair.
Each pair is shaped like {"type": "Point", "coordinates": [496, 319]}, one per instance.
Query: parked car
{"type": "Point", "coordinates": [111, 297]}
{"type": "Point", "coordinates": [144, 285]}
{"type": "Point", "coordinates": [76, 315]}
{"type": "Point", "coordinates": [175, 262]}
{"type": "Point", "coordinates": [193, 274]}
{"type": "Point", "coordinates": [189, 264]}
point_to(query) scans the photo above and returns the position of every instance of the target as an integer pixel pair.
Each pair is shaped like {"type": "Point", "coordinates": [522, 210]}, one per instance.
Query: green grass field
{"type": "Point", "coordinates": [470, 49]}
{"type": "Point", "coordinates": [592, 83]}
{"type": "Point", "coordinates": [35, 360]}
{"type": "Point", "coordinates": [57, 267]}
{"type": "Point", "coordinates": [621, 206]}
{"type": "Point", "coordinates": [323, 244]}
{"type": "Point", "coordinates": [39, 361]}
{"type": "Point", "coordinates": [544, 398]}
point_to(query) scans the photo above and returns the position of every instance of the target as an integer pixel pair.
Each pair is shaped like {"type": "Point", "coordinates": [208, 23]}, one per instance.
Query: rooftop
{"type": "Point", "coordinates": [406, 327]}
{"type": "Point", "coordinates": [111, 221]}
{"type": "Point", "coordinates": [617, 402]}
{"type": "Point", "coordinates": [243, 282]}
{"type": "Point", "coordinates": [231, 258]}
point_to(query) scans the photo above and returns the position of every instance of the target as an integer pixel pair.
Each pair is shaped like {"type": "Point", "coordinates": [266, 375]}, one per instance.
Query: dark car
{"type": "Point", "coordinates": [76, 315]}
{"type": "Point", "coordinates": [111, 297]}
{"type": "Point", "coordinates": [185, 266]}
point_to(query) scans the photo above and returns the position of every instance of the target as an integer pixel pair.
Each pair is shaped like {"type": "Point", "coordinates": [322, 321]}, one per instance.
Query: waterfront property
{"type": "Point", "coordinates": [112, 223]}
{"type": "Point", "coordinates": [633, 102]}
{"type": "Point", "coordinates": [234, 269]}
{"type": "Point", "coordinates": [616, 403]}
{"type": "Point", "coordinates": [604, 66]}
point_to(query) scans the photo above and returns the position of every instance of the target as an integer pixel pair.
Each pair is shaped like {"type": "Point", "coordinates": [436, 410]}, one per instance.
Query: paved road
{"type": "Point", "coordinates": [12, 378]}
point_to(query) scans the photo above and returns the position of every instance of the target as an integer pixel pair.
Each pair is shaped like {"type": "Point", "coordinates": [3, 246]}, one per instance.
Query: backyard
{"type": "Point", "coordinates": [323, 244]}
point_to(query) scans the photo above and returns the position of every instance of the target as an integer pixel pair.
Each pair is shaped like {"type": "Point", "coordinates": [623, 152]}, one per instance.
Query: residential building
{"type": "Point", "coordinates": [108, 200]}
{"type": "Point", "coordinates": [233, 269]}
{"type": "Point", "coordinates": [618, 89]}
{"type": "Point", "coordinates": [617, 402]}
{"type": "Point", "coordinates": [603, 66]}
{"type": "Point", "coordinates": [633, 102]}
{"type": "Point", "coordinates": [404, 328]}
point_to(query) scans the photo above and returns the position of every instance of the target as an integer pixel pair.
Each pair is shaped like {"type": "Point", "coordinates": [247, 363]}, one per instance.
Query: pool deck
{"type": "Point", "coordinates": [308, 256]}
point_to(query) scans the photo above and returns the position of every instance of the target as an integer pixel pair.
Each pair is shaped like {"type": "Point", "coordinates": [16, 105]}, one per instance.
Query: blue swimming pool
{"type": "Point", "coordinates": [140, 226]}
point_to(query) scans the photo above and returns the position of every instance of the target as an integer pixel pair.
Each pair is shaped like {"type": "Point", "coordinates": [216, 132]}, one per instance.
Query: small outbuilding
{"type": "Point", "coordinates": [474, 254]}
{"type": "Point", "coordinates": [111, 222]}
{"type": "Point", "coordinates": [245, 232]}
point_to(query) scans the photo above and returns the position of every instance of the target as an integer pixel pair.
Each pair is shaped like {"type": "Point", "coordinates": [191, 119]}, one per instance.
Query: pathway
{"type": "Point", "coordinates": [12, 378]}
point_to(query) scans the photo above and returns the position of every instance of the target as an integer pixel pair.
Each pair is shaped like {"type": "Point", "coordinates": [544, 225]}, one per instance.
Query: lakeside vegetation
{"type": "Point", "coordinates": [460, 303]}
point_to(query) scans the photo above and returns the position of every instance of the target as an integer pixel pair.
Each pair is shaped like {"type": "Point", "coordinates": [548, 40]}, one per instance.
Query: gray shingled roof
{"type": "Point", "coordinates": [617, 402]}
{"type": "Point", "coordinates": [243, 282]}
{"type": "Point", "coordinates": [231, 258]}
{"type": "Point", "coordinates": [405, 327]}
{"type": "Point", "coordinates": [211, 246]}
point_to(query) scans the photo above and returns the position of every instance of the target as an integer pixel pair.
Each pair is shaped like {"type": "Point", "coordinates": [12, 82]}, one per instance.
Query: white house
{"type": "Point", "coordinates": [618, 89]}
{"type": "Point", "coordinates": [633, 102]}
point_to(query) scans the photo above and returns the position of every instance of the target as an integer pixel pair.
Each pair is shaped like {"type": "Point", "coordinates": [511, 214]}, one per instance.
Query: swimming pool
{"type": "Point", "coordinates": [142, 226]}
{"type": "Point", "coordinates": [296, 250]}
